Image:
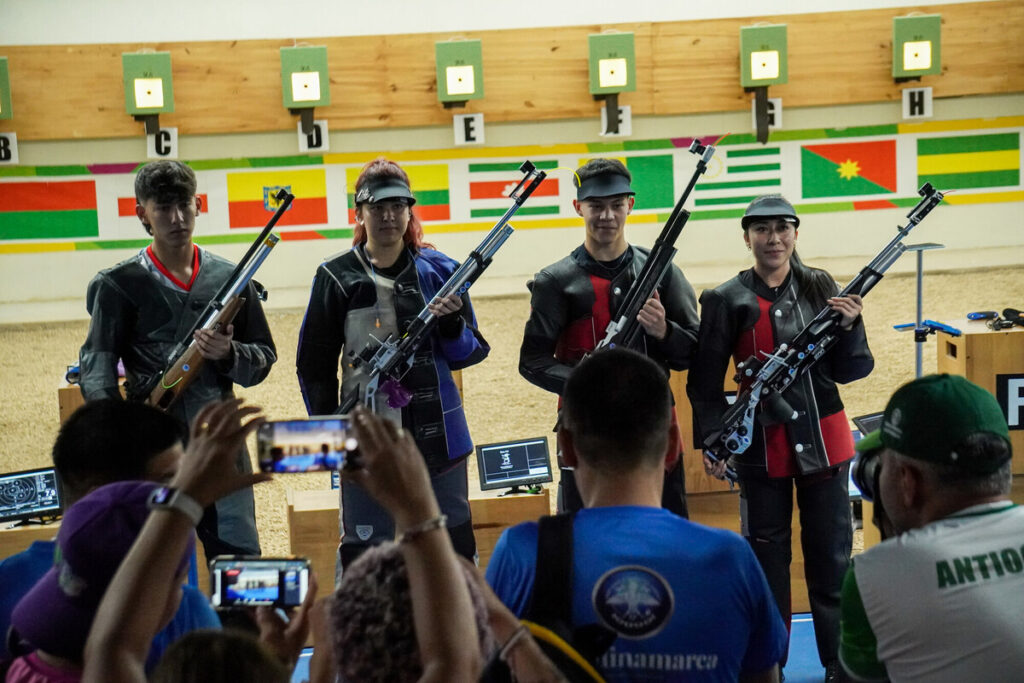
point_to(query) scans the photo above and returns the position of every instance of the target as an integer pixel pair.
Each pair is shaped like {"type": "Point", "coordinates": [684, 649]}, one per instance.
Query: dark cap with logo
{"type": "Point", "coordinates": [929, 418]}
{"type": "Point", "coordinates": [380, 189]}
{"type": "Point", "coordinates": [770, 206]}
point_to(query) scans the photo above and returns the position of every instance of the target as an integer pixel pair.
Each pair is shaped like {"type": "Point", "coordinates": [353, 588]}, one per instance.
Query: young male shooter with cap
{"type": "Point", "coordinates": [574, 299]}
{"type": "Point", "coordinates": [944, 600]}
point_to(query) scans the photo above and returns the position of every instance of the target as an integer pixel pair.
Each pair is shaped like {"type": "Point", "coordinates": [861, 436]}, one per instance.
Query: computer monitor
{"type": "Point", "coordinates": [30, 494]}
{"type": "Point", "coordinates": [510, 464]}
{"type": "Point", "coordinates": [867, 423]}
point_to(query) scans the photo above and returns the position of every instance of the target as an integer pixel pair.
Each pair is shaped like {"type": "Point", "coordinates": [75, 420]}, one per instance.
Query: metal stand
{"type": "Point", "coordinates": [921, 331]}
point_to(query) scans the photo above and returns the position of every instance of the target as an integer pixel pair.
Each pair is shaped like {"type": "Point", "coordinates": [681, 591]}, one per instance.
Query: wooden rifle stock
{"type": "Point", "coordinates": [180, 375]}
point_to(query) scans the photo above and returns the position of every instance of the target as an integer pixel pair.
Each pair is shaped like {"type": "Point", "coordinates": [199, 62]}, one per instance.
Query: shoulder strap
{"type": "Point", "coordinates": [551, 601]}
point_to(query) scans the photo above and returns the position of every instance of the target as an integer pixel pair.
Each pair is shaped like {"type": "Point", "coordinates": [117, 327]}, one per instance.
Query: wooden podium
{"type": "Point", "coordinates": [994, 360]}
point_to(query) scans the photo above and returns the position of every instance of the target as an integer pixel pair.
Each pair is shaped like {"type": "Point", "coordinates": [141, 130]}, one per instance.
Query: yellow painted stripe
{"type": "Point", "coordinates": [523, 151]}
{"type": "Point", "coordinates": [36, 247]}
{"type": "Point", "coordinates": [984, 197]}
{"type": "Point", "coordinates": [423, 177]}
{"type": "Point", "coordinates": [968, 162]}
{"type": "Point", "coordinates": [248, 186]}
{"type": "Point", "coordinates": [965, 124]}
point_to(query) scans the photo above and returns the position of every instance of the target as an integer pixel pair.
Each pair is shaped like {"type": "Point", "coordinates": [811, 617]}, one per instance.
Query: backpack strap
{"type": "Point", "coordinates": [551, 601]}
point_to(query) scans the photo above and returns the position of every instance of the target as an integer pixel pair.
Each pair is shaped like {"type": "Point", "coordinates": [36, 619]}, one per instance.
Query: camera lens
{"type": "Point", "coordinates": [866, 468]}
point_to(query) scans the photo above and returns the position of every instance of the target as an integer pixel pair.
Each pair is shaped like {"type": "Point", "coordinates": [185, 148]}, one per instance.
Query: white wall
{"type": "Point", "coordinates": [59, 22]}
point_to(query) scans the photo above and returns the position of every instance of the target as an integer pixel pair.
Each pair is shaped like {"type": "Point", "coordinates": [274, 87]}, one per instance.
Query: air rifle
{"type": "Point", "coordinates": [624, 329]}
{"type": "Point", "coordinates": [387, 361]}
{"type": "Point", "coordinates": [766, 379]}
{"type": "Point", "coordinates": [185, 360]}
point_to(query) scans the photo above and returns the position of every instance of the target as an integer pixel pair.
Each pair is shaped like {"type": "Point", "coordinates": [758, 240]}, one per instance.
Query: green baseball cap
{"type": "Point", "coordinates": [928, 418]}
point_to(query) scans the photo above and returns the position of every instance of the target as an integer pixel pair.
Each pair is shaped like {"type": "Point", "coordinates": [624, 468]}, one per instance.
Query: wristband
{"type": "Point", "coordinates": [167, 498]}
{"type": "Point", "coordinates": [512, 641]}
{"type": "Point", "coordinates": [413, 532]}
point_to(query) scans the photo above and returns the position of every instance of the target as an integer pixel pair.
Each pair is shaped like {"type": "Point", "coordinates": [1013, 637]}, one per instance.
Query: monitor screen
{"type": "Point", "coordinates": [513, 463]}
{"type": "Point", "coordinates": [867, 423]}
{"type": "Point", "coordinates": [28, 494]}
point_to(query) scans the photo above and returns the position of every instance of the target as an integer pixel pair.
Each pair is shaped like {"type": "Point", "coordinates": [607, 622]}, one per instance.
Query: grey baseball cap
{"type": "Point", "coordinates": [770, 205]}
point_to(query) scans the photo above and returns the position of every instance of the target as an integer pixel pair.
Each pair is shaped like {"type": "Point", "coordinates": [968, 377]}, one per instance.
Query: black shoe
{"type": "Point", "coordinates": [834, 673]}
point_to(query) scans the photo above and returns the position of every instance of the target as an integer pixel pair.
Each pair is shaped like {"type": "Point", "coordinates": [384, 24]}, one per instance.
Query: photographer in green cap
{"type": "Point", "coordinates": [943, 600]}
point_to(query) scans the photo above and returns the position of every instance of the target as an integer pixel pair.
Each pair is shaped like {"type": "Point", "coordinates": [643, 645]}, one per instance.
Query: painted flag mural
{"type": "Point", "coordinates": [251, 200]}
{"type": "Point", "coordinates": [491, 183]}
{"type": "Point", "coordinates": [969, 161]}
{"type": "Point", "coordinates": [47, 210]}
{"type": "Point", "coordinates": [429, 184]}
{"type": "Point", "coordinates": [653, 179]}
{"type": "Point", "coordinates": [736, 176]}
{"type": "Point", "coordinates": [846, 169]}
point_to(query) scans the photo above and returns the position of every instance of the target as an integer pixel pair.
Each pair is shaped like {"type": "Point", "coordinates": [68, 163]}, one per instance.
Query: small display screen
{"type": "Point", "coordinates": [29, 494]}
{"type": "Point", "coordinates": [259, 581]}
{"type": "Point", "coordinates": [514, 463]}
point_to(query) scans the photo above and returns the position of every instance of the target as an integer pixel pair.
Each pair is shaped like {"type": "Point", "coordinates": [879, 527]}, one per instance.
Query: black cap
{"type": "Point", "coordinates": [608, 184]}
{"type": "Point", "coordinates": [384, 188]}
{"type": "Point", "coordinates": [770, 206]}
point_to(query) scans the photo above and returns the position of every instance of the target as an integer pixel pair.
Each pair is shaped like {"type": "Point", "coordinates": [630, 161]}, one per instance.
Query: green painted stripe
{"type": "Point", "coordinates": [756, 152]}
{"type": "Point", "coordinates": [824, 207]}
{"type": "Point", "coordinates": [717, 213]}
{"type": "Point", "coordinates": [218, 164]}
{"type": "Point", "coordinates": [640, 145]}
{"type": "Point", "coordinates": [602, 147]}
{"type": "Point", "coordinates": [27, 225]}
{"type": "Point", "coordinates": [297, 160]}
{"type": "Point", "coordinates": [511, 166]}
{"type": "Point", "coordinates": [17, 171]}
{"type": "Point", "coordinates": [335, 233]}
{"type": "Point", "coordinates": [751, 168]}
{"type": "Point", "coordinates": [62, 170]}
{"type": "Point", "coordinates": [233, 238]}
{"type": "Point", "coordinates": [111, 244]}
{"type": "Point", "coordinates": [863, 131]}
{"type": "Point", "coordinates": [906, 201]}
{"type": "Point", "coordinates": [738, 183]}
{"type": "Point", "coordinates": [964, 181]}
{"type": "Point", "coordinates": [711, 201]}
{"type": "Point", "coordinates": [523, 211]}
{"type": "Point", "coordinates": [968, 143]}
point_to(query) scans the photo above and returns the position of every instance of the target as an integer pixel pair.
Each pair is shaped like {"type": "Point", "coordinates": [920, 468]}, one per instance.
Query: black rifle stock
{"type": "Point", "coordinates": [769, 377]}
{"type": "Point", "coordinates": [387, 361]}
{"type": "Point", "coordinates": [624, 329]}
{"type": "Point", "coordinates": [185, 360]}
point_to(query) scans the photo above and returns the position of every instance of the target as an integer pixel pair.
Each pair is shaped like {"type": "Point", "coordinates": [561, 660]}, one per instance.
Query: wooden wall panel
{"type": "Point", "coordinates": [65, 92]}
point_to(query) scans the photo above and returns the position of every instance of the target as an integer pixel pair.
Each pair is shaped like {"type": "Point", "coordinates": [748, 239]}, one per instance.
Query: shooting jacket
{"type": "Point", "coordinates": [573, 301]}
{"type": "Point", "coordinates": [343, 309]}
{"type": "Point", "coordinates": [736, 322]}
{"type": "Point", "coordinates": [138, 315]}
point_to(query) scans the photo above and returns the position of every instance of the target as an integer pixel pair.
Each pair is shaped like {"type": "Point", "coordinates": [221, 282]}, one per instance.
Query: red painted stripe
{"type": "Point", "coordinates": [305, 211]}
{"type": "Point", "coordinates": [873, 204]}
{"type": "Point", "coordinates": [126, 206]}
{"type": "Point", "coordinates": [48, 196]}
{"type": "Point", "coordinates": [300, 235]}
{"type": "Point", "coordinates": [500, 189]}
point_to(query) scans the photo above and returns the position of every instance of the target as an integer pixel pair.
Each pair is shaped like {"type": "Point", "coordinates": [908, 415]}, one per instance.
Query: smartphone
{"type": "Point", "coordinates": [315, 444]}
{"type": "Point", "coordinates": [242, 580]}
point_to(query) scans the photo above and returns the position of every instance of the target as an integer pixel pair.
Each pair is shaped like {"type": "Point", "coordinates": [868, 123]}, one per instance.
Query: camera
{"type": "Point", "coordinates": [317, 444]}
{"type": "Point", "coordinates": [865, 472]}
{"type": "Point", "coordinates": [242, 580]}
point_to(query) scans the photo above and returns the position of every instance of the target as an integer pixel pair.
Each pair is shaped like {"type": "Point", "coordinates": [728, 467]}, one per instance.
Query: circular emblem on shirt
{"type": "Point", "coordinates": [633, 601]}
